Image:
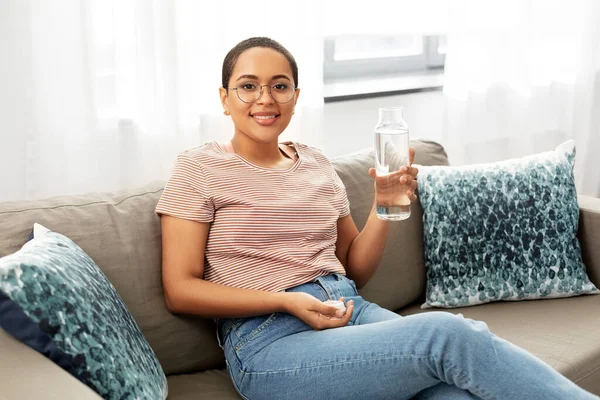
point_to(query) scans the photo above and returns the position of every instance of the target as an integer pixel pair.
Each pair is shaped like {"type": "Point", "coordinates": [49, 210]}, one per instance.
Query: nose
{"type": "Point", "coordinates": [265, 95]}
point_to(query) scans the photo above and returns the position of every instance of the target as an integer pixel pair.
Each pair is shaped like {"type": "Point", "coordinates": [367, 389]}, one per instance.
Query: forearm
{"type": "Point", "coordinates": [210, 300]}
{"type": "Point", "coordinates": [366, 249]}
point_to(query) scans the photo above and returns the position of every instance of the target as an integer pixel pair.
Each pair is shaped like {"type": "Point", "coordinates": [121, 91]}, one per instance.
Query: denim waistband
{"type": "Point", "coordinates": [326, 287]}
{"type": "Point", "coordinates": [336, 286]}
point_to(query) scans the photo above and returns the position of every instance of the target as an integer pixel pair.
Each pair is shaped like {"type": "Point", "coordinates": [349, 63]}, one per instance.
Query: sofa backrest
{"type": "Point", "coordinates": [121, 233]}
{"type": "Point", "coordinates": [400, 278]}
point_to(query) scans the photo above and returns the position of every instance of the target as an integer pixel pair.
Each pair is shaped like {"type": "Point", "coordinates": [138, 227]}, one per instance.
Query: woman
{"type": "Point", "coordinates": [258, 235]}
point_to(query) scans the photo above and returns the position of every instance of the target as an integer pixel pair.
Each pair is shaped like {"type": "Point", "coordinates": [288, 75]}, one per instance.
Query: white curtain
{"type": "Point", "coordinates": [101, 95]}
{"type": "Point", "coordinates": [522, 76]}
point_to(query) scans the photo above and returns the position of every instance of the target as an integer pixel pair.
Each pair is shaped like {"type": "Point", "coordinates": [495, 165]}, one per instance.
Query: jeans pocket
{"type": "Point", "coordinates": [251, 329]}
{"type": "Point", "coordinates": [349, 282]}
{"type": "Point", "coordinates": [320, 293]}
{"type": "Point", "coordinates": [224, 327]}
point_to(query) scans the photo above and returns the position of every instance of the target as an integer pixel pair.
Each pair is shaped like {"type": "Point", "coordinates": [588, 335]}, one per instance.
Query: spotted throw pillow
{"type": "Point", "coordinates": [55, 299]}
{"type": "Point", "coordinates": [502, 231]}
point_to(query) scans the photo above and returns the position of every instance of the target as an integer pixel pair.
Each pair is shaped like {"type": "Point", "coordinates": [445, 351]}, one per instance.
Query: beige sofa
{"type": "Point", "coordinates": [122, 234]}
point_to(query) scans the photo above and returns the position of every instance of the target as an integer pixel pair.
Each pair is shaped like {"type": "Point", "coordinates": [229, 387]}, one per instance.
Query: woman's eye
{"type": "Point", "coordinates": [280, 86]}
{"type": "Point", "coordinates": [248, 86]}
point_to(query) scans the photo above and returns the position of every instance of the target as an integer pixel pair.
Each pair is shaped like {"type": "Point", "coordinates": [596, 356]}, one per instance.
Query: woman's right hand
{"type": "Point", "coordinates": [315, 313]}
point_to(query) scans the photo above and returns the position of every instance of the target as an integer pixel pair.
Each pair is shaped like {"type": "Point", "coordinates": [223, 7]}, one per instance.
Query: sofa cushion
{"type": "Point", "coordinates": [213, 384]}
{"type": "Point", "coordinates": [49, 380]}
{"type": "Point", "coordinates": [400, 278]}
{"type": "Point", "coordinates": [54, 299]}
{"type": "Point", "coordinates": [565, 333]}
{"type": "Point", "coordinates": [503, 231]}
{"type": "Point", "coordinates": [121, 233]}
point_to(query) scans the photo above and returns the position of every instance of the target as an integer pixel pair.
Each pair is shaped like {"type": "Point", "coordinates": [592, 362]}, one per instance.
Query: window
{"type": "Point", "coordinates": [363, 56]}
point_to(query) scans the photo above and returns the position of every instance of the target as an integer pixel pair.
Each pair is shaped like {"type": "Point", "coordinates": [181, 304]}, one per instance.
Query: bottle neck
{"type": "Point", "coordinates": [392, 118]}
{"type": "Point", "coordinates": [391, 114]}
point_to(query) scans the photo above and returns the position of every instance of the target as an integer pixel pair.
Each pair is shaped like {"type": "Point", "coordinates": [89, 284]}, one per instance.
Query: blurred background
{"type": "Point", "coordinates": [101, 95]}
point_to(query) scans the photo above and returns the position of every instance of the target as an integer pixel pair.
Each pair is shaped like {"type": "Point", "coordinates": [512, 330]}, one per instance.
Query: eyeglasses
{"type": "Point", "coordinates": [251, 92]}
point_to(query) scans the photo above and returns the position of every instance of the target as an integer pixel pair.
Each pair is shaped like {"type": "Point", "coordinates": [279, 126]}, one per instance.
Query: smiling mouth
{"type": "Point", "coordinates": [265, 117]}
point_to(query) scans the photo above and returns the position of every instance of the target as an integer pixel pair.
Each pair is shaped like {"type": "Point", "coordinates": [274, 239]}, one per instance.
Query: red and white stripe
{"type": "Point", "coordinates": [271, 228]}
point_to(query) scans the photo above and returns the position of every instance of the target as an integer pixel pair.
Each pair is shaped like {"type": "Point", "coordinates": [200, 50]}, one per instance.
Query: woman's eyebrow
{"type": "Point", "coordinates": [248, 77]}
{"type": "Point", "coordinates": [254, 77]}
{"type": "Point", "coordinates": [279, 77]}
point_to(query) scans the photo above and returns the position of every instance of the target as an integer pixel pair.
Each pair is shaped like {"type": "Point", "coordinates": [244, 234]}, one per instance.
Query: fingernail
{"type": "Point", "coordinates": [403, 169]}
{"type": "Point", "coordinates": [339, 313]}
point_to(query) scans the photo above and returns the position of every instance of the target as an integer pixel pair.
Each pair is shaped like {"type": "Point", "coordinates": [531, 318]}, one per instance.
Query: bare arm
{"type": "Point", "coordinates": [184, 243]}
{"type": "Point", "coordinates": [361, 253]}
{"type": "Point", "coordinates": [186, 292]}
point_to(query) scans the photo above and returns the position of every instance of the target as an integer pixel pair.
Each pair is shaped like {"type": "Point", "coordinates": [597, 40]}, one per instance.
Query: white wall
{"type": "Point", "coordinates": [348, 125]}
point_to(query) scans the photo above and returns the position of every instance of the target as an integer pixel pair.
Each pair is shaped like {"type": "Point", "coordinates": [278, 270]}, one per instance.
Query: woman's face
{"type": "Point", "coordinates": [264, 119]}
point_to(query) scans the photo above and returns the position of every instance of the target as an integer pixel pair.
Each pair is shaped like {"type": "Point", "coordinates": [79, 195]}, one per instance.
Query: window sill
{"type": "Point", "coordinates": [364, 88]}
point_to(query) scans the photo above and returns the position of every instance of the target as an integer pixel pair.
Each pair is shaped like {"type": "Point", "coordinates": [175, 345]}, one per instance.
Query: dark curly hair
{"type": "Point", "coordinates": [233, 55]}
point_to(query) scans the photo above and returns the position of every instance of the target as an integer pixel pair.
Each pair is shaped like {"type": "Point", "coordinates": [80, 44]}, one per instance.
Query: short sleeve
{"type": "Point", "coordinates": [185, 195]}
{"type": "Point", "coordinates": [341, 201]}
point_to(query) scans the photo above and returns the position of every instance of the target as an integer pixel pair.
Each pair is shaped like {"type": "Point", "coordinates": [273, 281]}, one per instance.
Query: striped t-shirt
{"type": "Point", "coordinates": [271, 229]}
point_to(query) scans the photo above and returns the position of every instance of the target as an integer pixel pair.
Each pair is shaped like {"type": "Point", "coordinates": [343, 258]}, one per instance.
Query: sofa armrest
{"type": "Point", "coordinates": [30, 375]}
{"type": "Point", "coordinates": [589, 235]}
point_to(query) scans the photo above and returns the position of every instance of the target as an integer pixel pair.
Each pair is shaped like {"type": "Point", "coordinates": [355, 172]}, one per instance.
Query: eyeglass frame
{"type": "Point", "coordinates": [261, 93]}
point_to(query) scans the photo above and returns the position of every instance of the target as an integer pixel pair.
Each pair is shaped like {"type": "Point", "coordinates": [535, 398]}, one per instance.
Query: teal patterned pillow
{"type": "Point", "coordinates": [502, 231]}
{"type": "Point", "coordinates": [55, 299]}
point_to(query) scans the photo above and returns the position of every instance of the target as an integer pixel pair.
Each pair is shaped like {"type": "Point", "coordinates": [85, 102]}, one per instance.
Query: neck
{"type": "Point", "coordinates": [259, 153]}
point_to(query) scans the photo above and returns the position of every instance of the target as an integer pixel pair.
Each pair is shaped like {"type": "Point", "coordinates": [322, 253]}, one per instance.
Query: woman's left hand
{"type": "Point", "coordinates": [387, 186]}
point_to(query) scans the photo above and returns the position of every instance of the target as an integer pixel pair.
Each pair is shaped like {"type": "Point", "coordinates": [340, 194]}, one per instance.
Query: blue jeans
{"type": "Point", "coordinates": [381, 355]}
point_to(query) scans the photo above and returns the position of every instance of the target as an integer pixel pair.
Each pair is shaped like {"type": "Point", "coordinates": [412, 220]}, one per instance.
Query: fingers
{"type": "Point", "coordinates": [348, 315]}
{"type": "Point", "coordinates": [329, 311]}
{"type": "Point", "coordinates": [411, 195]}
{"type": "Point", "coordinates": [408, 170]}
{"type": "Point", "coordinates": [327, 320]}
{"type": "Point", "coordinates": [345, 318]}
{"type": "Point", "coordinates": [405, 170]}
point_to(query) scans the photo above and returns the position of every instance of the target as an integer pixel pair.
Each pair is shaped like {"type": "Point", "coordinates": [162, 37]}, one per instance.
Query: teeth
{"type": "Point", "coordinates": [263, 116]}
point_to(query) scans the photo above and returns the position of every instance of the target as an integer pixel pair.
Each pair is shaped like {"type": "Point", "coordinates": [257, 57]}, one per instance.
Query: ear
{"type": "Point", "coordinates": [296, 100]}
{"type": "Point", "coordinates": [224, 100]}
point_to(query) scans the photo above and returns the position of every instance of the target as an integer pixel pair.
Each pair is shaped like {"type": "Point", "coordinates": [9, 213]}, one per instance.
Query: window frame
{"type": "Point", "coordinates": [335, 70]}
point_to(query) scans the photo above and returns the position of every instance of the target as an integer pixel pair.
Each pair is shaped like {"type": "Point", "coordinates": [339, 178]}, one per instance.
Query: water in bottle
{"type": "Point", "coordinates": [391, 153]}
